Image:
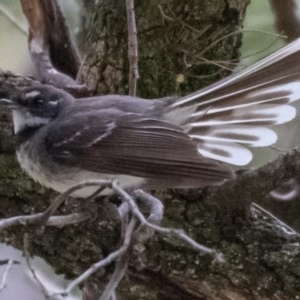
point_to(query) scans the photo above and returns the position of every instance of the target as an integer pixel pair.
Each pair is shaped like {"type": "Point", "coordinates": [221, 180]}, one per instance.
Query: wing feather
{"type": "Point", "coordinates": [131, 144]}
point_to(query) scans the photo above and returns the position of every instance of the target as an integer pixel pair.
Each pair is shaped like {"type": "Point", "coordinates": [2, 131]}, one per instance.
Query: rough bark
{"type": "Point", "coordinates": [262, 261]}
{"type": "Point", "coordinates": [174, 37]}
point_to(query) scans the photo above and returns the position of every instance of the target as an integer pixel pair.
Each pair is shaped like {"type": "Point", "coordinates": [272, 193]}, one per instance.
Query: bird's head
{"type": "Point", "coordinates": [36, 106]}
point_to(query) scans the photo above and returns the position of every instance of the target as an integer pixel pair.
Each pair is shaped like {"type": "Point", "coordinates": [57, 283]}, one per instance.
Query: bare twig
{"type": "Point", "coordinates": [164, 15]}
{"type": "Point", "coordinates": [118, 274]}
{"type": "Point", "coordinates": [44, 217]}
{"type": "Point", "coordinates": [142, 234]}
{"type": "Point", "coordinates": [199, 33]}
{"type": "Point", "coordinates": [102, 263]}
{"type": "Point", "coordinates": [123, 210]}
{"type": "Point", "coordinates": [5, 274]}
{"type": "Point", "coordinates": [91, 289]}
{"type": "Point", "coordinates": [177, 232]}
{"type": "Point", "coordinates": [211, 45]}
{"type": "Point", "coordinates": [75, 218]}
{"type": "Point", "coordinates": [58, 221]}
{"type": "Point", "coordinates": [155, 206]}
{"type": "Point", "coordinates": [132, 48]}
{"type": "Point", "coordinates": [31, 269]}
{"type": "Point", "coordinates": [255, 208]}
{"type": "Point", "coordinates": [19, 220]}
{"type": "Point", "coordinates": [279, 149]}
{"type": "Point", "coordinates": [215, 63]}
{"type": "Point", "coordinates": [59, 200]}
{"type": "Point", "coordinates": [156, 212]}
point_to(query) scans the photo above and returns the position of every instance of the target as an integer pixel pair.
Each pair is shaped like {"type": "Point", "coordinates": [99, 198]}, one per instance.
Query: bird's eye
{"type": "Point", "coordinates": [38, 103]}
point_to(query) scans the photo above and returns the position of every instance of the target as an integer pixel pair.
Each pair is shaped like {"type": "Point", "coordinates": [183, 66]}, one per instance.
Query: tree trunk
{"type": "Point", "coordinates": [176, 38]}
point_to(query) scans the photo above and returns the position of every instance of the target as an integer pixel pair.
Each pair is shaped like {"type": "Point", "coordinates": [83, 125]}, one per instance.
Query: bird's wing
{"type": "Point", "coordinates": [236, 112]}
{"type": "Point", "coordinates": [131, 144]}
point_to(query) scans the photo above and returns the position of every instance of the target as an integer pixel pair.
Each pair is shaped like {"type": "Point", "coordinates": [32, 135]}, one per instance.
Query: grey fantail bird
{"type": "Point", "coordinates": [183, 143]}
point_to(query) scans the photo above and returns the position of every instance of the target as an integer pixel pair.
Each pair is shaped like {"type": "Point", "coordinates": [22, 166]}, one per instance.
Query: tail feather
{"type": "Point", "coordinates": [260, 114]}
{"type": "Point", "coordinates": [236, 112]}
{"type": "Point", "coordinates": [231, 153]}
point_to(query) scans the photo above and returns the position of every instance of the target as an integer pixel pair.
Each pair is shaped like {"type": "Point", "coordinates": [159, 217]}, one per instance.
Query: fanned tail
{"type": "Point", "coordinates": [235, 113]}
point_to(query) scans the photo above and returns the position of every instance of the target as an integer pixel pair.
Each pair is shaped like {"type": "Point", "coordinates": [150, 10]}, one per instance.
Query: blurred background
{"type": "Point", "coordinates": [260, 39]}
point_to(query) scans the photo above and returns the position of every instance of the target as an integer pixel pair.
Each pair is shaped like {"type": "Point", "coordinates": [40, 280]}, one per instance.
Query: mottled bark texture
{"type": "Point", "coordinates": [175, 38]}
{"type": "Point", "coordinates": [262, 261]}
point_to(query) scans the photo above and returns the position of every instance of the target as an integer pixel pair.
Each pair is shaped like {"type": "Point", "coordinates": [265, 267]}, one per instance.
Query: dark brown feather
{"type": "Point", "coordinates": [133, 145]}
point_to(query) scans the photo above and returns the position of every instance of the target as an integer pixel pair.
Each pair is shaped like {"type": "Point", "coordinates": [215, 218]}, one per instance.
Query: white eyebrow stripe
{"type": "Point", "coordinates": [32, 94]}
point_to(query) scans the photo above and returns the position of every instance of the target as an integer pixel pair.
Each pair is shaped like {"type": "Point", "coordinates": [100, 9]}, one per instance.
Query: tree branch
{"type": "Point", "coordinates": [132, 48]}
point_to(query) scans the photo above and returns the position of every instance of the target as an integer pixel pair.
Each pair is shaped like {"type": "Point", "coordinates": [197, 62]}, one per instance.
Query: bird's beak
{"type": "Point", "coordinates": [8, 103]}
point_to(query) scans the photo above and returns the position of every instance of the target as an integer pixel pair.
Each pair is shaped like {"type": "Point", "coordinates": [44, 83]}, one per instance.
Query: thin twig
{"type": "Point", "coordinates": [123, 210]}
{"type": "Point", "coordinates": [177, 232]}
{"type": "Point", "coordinates": [58, 221]}
{"type": "Point", "coordinates": [132, 48]}
{"type": "Point", "coordinates": [75, 218]}
{"type": "Point", "coordinates": [146, 231]}
{"type": "Point", "coordinates": [174, 17]}
{"type": "Point", "coordinates": [43, 218]}
{"type": "Point", "coordinates": [119, 273]}
{"type": "Point", "coordinates": [156, 213]}
{"type": "Point", "coordinates": [287, 229]}
{"type": "Point", "coordinates": [5, 274]}
{"type": "Point", "coordinates": [31, 269]}
{"type": "Point", "coordinates": [215, 63]}
{"type": "Point", "coordinates": [154, 205]}
{"type": "Point", "coordinates": [59, 200]}
{"type": "Point", "coordinates": [120, 270]}
{"type": "Point", "coordinates": [211, 45]}
{"type": "Point", "coordinates": [104, 262]}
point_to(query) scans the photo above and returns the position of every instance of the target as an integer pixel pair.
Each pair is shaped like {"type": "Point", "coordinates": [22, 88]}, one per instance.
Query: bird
{"type": "Point", "coordinates": [187, 142]}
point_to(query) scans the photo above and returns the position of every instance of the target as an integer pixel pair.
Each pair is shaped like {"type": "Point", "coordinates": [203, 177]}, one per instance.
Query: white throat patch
{"type": "Point", "coordinates": [23, 119]}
